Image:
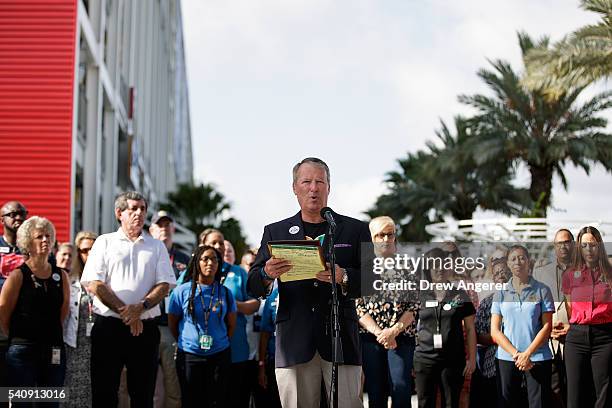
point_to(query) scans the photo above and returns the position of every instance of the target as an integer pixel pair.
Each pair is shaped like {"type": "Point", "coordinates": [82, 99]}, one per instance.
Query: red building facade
{"type": "Point", "coordinates": [37, 68]}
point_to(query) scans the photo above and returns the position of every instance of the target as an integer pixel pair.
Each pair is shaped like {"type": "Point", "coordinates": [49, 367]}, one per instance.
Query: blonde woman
{"type": "Point", "coordinates": [33, 305]}
{"type": "Point", "coordinates": [387, 332]}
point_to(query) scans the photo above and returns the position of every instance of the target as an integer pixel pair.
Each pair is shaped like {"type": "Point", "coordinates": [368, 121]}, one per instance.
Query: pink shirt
{"type": "Point", "coordinates": [590, 295]}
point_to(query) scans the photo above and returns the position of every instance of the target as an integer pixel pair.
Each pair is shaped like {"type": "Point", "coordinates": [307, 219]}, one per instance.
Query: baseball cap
{"type": "Point", "coordinates": [159, 215]}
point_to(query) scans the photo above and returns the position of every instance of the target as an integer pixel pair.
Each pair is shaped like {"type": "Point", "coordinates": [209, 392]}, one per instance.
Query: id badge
{"type": "Point", "coordinates": [56, 356]}
{"type": "Point", "coordinates": [88, 327]}
{"type": "Point", "coordinates": [437, 341]}
{"type": "Point", "coordinates": [206, 342]}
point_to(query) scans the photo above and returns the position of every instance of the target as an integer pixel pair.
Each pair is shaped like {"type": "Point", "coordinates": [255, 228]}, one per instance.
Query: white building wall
{"type": "Point", "coordinates": [128, 47]}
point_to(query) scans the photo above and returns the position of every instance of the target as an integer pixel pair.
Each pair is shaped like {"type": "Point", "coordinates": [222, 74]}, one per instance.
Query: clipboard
{"type": "Point", "coordinates": [306, 257]}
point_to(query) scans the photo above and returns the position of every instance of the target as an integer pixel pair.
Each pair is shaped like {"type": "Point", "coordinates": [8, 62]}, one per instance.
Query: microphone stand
{"type": "Point", "coordinates": [337, 354]}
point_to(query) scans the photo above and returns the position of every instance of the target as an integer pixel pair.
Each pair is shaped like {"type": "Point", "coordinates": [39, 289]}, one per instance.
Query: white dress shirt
{"type": "Point", "coordinates": [129, 268]}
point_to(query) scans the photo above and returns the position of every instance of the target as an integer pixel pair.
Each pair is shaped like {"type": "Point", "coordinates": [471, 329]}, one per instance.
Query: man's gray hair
{"type": "Point", "coordinates": [122, 199]}
{"type": "Point", "coordinates": [314, 161]}
{"type": "Point", "coordinates": [25, 233]}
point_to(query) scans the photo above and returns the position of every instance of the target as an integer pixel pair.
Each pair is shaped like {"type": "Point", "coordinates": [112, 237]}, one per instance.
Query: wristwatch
{"type": "Point", "coordinates": [345, 278]}
{"type": "Point", "coordinates": [146, 305]}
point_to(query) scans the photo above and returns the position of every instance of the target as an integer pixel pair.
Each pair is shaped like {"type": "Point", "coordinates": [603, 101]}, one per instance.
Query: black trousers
{"type": "Point", "coordinates": [483, 391]}
{"type": "Point", "coordinates": [204, 380]}
{"type": "Point", "coordinates": [588, 361]}
{"type": "Point", "coordinates": [240, 393]}
{"type": "Point", "coordinates": [112, 348]}
{"type": "Point", "coordinates": [537, 380]}
{"type": "Point", "coordinates": [430, 375]}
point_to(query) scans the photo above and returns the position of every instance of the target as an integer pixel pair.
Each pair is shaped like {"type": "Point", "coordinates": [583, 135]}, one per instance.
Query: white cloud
{"type": "Point", "coordinates": [358, 83]}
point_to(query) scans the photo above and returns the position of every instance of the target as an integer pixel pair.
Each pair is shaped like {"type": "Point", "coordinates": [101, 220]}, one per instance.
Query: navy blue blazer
{"type": "Point", "coordinates": [303, 317]}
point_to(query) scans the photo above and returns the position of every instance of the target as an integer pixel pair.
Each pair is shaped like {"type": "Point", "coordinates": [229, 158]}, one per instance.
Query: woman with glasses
{"type": "Point", "coordinates": [521, 322]}
{"type": "Point", "coordinates": [484, 380]}
{"type": "Point", "coordinates": [588, 345]}
{"type": "Point", "coordinates": [387, 330]}
{"type": "Point", "coordinates": [33, 305]}
{"type": "Point", "coordinates": [202, 317]}
{"type": "Point", "coordinates": [77, 327]}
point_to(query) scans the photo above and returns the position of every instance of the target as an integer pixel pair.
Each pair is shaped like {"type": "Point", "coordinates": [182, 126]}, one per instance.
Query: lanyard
{"type": "Point", "coordinates": [438, 313]}
{"type": "Point", "coordinates": [207, 311]}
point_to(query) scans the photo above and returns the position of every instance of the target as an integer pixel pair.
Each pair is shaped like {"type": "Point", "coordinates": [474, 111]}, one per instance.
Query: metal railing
{"type": "Point", "coordinates": [510, 229]}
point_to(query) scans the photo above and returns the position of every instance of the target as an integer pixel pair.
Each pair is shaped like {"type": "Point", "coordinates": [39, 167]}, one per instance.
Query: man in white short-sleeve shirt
{"type": "Point", "coordinates": [129, 273]}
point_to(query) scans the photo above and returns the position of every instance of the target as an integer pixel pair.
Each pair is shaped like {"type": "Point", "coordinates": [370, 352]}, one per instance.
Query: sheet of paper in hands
{"type": "Point", "coordinates": [306, 257]}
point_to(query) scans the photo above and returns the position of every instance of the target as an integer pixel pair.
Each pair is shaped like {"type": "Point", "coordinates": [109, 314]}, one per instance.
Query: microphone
{"type": "Point", "coordinates": [328, 214]}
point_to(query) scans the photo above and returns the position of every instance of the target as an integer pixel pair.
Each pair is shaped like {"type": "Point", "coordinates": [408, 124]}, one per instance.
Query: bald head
{"type": "Point", "coordinates": [564, 246]}
{"type": "Point", "coordinates": [12, 215]}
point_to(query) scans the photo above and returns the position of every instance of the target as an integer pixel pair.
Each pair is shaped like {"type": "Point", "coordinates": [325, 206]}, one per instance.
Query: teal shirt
{"type": "Point", "coordinates": [235, 279]}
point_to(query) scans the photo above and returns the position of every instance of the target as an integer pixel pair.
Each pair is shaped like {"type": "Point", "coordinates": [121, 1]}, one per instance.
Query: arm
{"type": "Point", "coordinates": [353, 288]}
{"type": "Point", "coordinates": [485, 339]}
{"type": "Point", "coordinates": [231, 323]}
{"type": "Point", "coordinates": [131, 313]}
{"type": "Point", "coordinates": [470, 331]}
{"type": "Point", "coordinates": [8, 298]}
{"type": "Point", "coordinates": [248, 307]}
{"type": "Point", "coordinates": [106, 295]}
{"type": "Point", "coordinates": [369, 324]}
{"type": "Point", "coordinates": [387, 335]}
{"type": "Point", "coordinates": [66, 303]}
{"type": "Point", "coordinates": [257, 286]}
{"type": "Point", "coordinates": [264, 337]}
{"type": "Point", "coordinates": [568, 306]}
{"type": "Point", "coordinates": [499, 337]}
{"type": "Point", "coordinates": [173, 322]}
{"type": "Point", "coordinates": [522, 358]}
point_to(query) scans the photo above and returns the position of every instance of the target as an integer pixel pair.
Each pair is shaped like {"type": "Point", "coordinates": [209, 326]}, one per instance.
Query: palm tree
{"type": "Point", "coordinates": [202, 206]}
{"type": "Point", "coordinates": [579, 59]}
{"type": "Point", "coordinates": [445, 180]}
{"type": "Point", "coordinates": [518, 125]}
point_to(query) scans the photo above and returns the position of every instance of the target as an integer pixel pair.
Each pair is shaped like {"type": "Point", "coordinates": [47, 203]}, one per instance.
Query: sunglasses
{"type": "Point", "coordinates": [84, 250]}
{"type": "Point", "coordinates": [14, 214]}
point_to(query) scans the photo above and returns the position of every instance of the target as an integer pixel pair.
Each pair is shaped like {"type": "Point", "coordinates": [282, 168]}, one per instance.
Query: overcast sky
{"type": "Point", "coordinates": [357, 83]}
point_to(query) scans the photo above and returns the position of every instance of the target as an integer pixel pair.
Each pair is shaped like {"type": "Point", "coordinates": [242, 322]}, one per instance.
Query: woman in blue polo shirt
{"type": "Point", "coordinates": [524, 309]}
{"type": "Point", "coordinates": [202, 317]}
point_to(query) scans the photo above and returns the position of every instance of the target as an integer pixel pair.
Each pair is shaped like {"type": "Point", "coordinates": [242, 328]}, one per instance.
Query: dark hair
{"type": "Point", "coordinates": [515, 247]}
{"type": "Point", "coordinates": [565, 230]}
{"type": "Point", "coordinates": [194, 272]}
{"type": "Point", "coordinates": [434, 253]}
{"type": "Point", "coordinates": [604, 263]}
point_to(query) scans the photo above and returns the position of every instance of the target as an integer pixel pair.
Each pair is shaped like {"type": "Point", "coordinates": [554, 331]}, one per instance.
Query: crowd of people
{"type": "Point", "coordinates": [127, 317]}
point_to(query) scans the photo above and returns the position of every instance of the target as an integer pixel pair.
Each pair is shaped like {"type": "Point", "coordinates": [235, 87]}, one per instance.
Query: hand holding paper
{"type": "Point", "coordinates": [303, 259]}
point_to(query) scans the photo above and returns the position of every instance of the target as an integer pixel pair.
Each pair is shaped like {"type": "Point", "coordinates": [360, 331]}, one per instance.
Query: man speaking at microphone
{"type": "Point", "coordinates": [303, 329]}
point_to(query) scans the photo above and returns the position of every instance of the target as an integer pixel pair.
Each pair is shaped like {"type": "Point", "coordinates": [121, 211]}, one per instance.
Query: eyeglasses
{"type": "Point", "coordinates": [14, 214]}
{"type": "Point", "coordinates": [563, 244]}
{"type": "Point", "coordinates": [84, 250]}
{"type": "Point", "coordinates": [383, 235]}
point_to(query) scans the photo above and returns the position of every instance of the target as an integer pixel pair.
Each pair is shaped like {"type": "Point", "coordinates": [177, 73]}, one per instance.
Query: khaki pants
{"type": "Point", "coordinates": [299, 386]}
{"type": "Point", "coordinates": [167, 388]}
